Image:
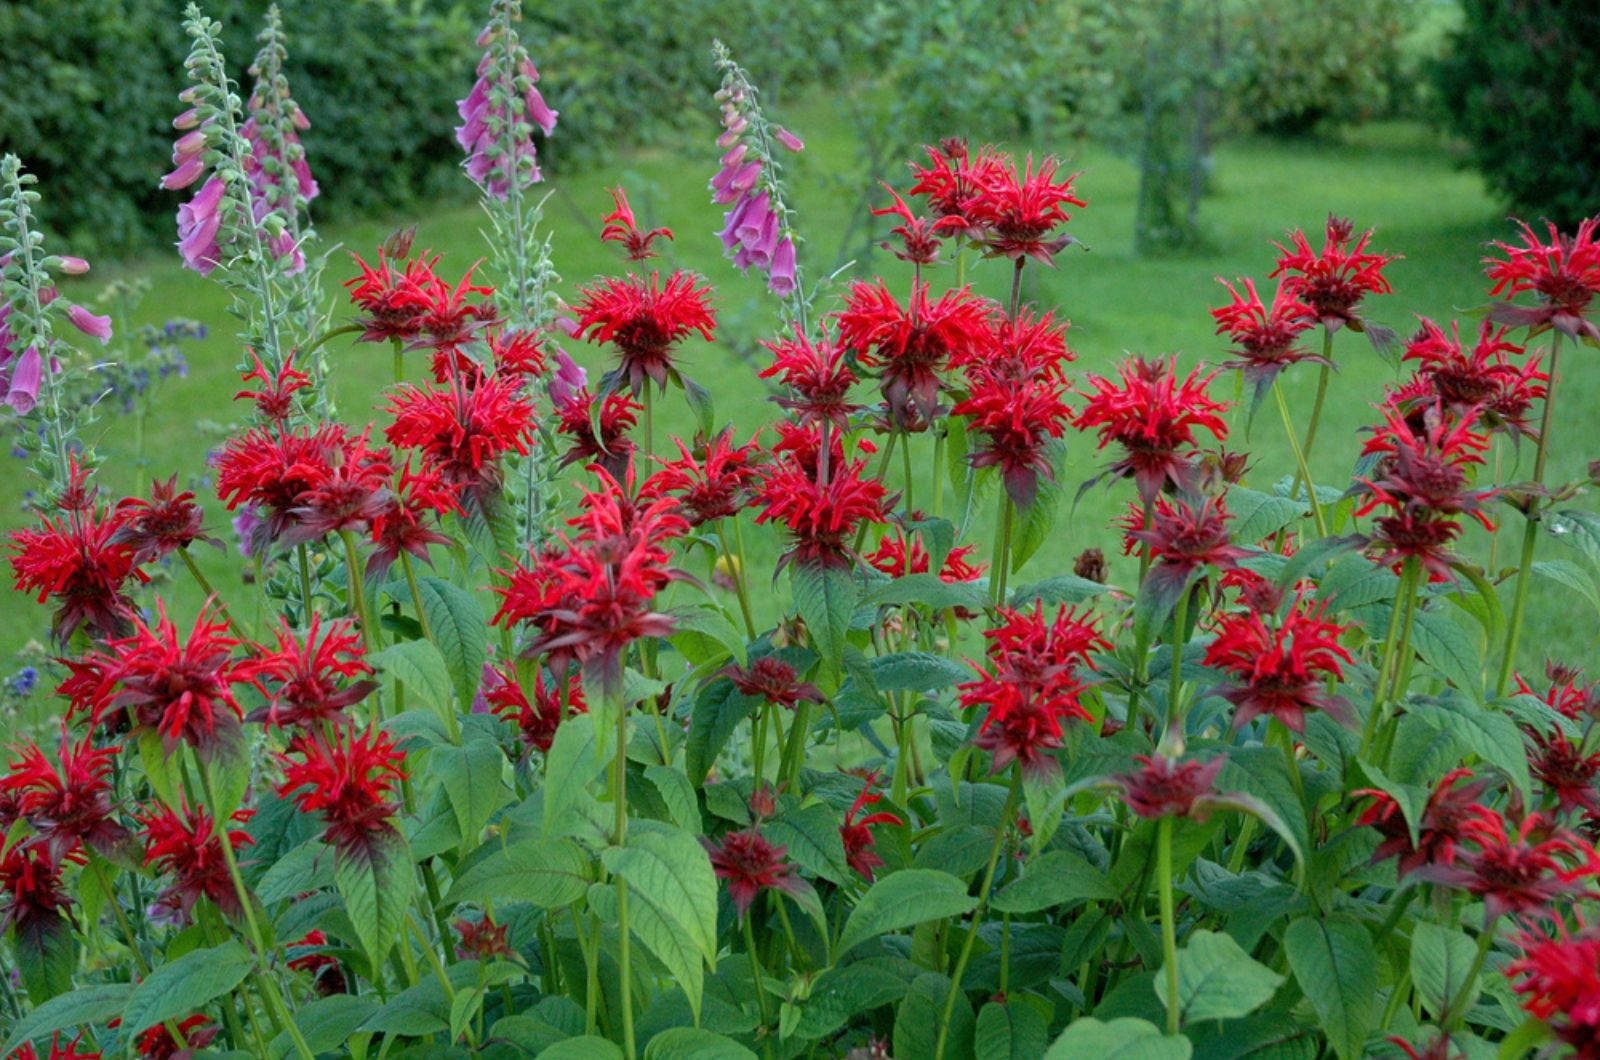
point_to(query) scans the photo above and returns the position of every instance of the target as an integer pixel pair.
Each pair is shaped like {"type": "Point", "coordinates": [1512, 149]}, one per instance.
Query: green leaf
{"type": "Point", "coordinates": [1120, 1039]}
{"type": "Point", "coordinates": [674, 912]}
{"type": "Point", "coordinates": [308, 867]}
{"type": "Point", "coordinates": [1257, 516]}
{"type": "Point", "coordinates": [921, 1011]}
{"type": "Point", "coordinates": [841, 993]}
{"type": "Point", "coordinates": [719, 707]}
{"type": "Point", "coordinates": [419, 666]}
{"type": "Point", "coordinates": [1054, 878]}
{"type": "Point", "coordinates": [1218, 980]}
{"type": "Point", "coordinates": [1012, 1031]}
{"type": "Point", "coordinates": [1035, 522]}
{"type": "Point", "coordinates": [326, 1023]}
{"type": "Point", "coordinates": [376, 889]}
{"type": "Point", "coordinates": [825, 596]}
{"type": "Point", "coordinates": [471, 779]}
{"type": "Point", "coordinates": [1061, 589]}
{"type": "Point", "coordinates": [571, 765]}
{"type": "Point", "coordinates": [179, 987]}
{"type": "Point", "coordinates": [929, 590]}
{"type": "Point", "coordinates": [463, 1007]}
{"type": "Point", "coordinates": [812, 836]}
{"type": "Point", "coordinates": [678, 794]}
{"type": "Point", "coordinates": [550, 873]}
{"type": "Point", "coordinates": [1261, 772]}
{"type": "Point", "coordinates": [159, 767]}
{"type": "Point", "coordinates": [691, 1043]}
{"type": "Point", "coordinates": [460, 632]}
{"type": "Point", "coordinates": [710, 622]}
{"type": "Point", "coordinates": [1448, 649]}
{"type": "Point", "coordinates": [1485, 732]}
{"type": "Point", "coordinates": [901, 900]}
{"type": "Point", "coordinates": [917, 671]}
{"type": "Point", "coordinates": [46, 952]}
{"type": "Point", "coordinates": [1578, 530]}
{"type": "Point", "coordinates": [587, 1047]}
{"type": "Point", "coordinates": [1565, 572]}
{"type": "Point", "coordinates": [1440, 960]}
{"type": "Point", "coordinates": [1336, 965]}
{"type": "Point", "coordinates": [88, 1004]}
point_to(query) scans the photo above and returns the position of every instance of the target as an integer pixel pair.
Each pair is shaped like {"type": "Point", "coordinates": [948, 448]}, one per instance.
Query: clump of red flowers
{"type": "Point", "coordinates": [1335, 280]}
{"type": "Point", "coordinates": [752, 865]}
{"type": "Point", "coordinates": [716, 484]}
{"type": "Point", "coordinates": [821, 517]}
{"type": "Point", "coordinates": [1564, 271]}
{"type": "Point", "coordinates": [856, 832]}
{"type": "Point", "coordinates": [312, 678]}
{"type": "Point", "coordinates": [393, 303]}
{"type": "Point", "coordinates": [68, 803]}
{"type": "Point", "coordinates": [537, 717]}
{"type": "Point", "coordinates": [186, 844]}
{"type": "Point", "coordinates": [170, 520]}
{"type": "Point", "coordinates": [350, 779]}
{"type": "Point", "coordinates": [1265, 339]}
{"type": "Point", "coordinates": [1168, 787]}
{"type": "Point", "coordinates": [1483, 383]}
{"type": "Point", "coordinates": [1558, 976]}
{"type": "Point", "coordinates": [1152, 415]}
{"type": "Point", "coordinates": [463, 432]}
{"type": "Point", "coordinates": [1032, 683]}
{"type": "Point", "coordinates": [619, 226]}
{"type": "Point", "coordinates": [774, 681]}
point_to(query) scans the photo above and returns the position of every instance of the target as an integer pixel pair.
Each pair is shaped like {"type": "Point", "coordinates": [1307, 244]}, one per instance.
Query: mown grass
{"type": "Point", "coordinates": [1400, 179]}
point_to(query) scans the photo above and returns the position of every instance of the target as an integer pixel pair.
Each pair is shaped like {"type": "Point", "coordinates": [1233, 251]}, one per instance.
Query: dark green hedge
{"type": "Point", "coordinates": [90, 89]}
{"type": "Point", "coordinates": [1522, 84]}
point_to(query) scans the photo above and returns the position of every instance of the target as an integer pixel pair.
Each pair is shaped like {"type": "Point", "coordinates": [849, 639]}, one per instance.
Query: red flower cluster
{"type": "Point", "coordinates": [1422, 484]}
{"type": "Point", "coordinates": [1153, 416]}
{"type": "Point", "coordinates": [898, 555]}
{"type": "Point", "coordinates": [619, 227]}
{"type": "Point", "coordinates": [774, 681]}
{"type": "Point", "coordinates": [1166, 787]}
{"type": "Point", "coordinates": [611, 449]}
{"type": "Point", "coordinates": [1281, 669]}
{"type": "Point", "coordinates": [1334, 281]}
{"type": "Point", "coordinates": [67, 806]}
{"type": "Point", "coordinates": [1564, 272]}
{"type": "Point", "coordinates": [919, 238]}
{"type": "Point", "coordinates": [715, 486]}
{"type": "Point", "coordinates": [310, 680]}
{"type": "Point", "coordinates": [394, 303]}
{"type": "Point", "coordinates": [817, 376]}
{"type": "Point", "coordinates": [1558, 976]}
{"type": "Point", "coordinates": [856, 832]}
{"type": "Point", "coordinates": [462, 432]}
{"type": "Point", "coordinates": [1483, 385]}
{"type": "Point", "coordinates": [186, 844]}
{"type": "Point", "coordinates": [1440, 832]}
{"type": "Point", "coordinates": [275, 400]}
{"type": "Point", "coordinates": [305, 483]}
{"type": "Point", "coordinates": [912, 346]}
{"type": "Point", "coordinates": [644, 320]}
{"type": "Point", "coordinates": [751, 865]}
{"type": "Point", "coordinates": [1012, 210]}
{"type": "Point", "coordinates": [536, 719]}
{"type": "Point", "coordinates": [349, 778]}
{"type": "Point", "coordinates": [589, 599]}
{"type": "Point", "coordinates": [821, 517]}
{"type": "Point", "coordinates": [1032, 683]}
{"type": "Point", "coordinates": [1266, 340]}
{"type": "Point", "coordinates": [158, 527]}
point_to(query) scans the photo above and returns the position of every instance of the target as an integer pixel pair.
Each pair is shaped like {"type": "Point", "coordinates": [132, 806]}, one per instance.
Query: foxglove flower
{"type": "Point", "coordinates": [757, 230]}
{"type": "Point", "coordinates": [504, 107]}
{"type": "Point", "coordinates": [1564, 271]}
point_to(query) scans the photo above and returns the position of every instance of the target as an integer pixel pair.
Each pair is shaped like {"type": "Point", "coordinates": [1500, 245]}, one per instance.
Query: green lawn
{"type": "Point", "coordinates": [1400, 179]}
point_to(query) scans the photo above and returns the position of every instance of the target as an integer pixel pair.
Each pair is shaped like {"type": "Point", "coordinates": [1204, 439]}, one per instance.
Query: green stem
{"type": "Point", "coordinates": [305, 580]}
{"type": "Point", "coordinates": [416, 597]}
{"type": "Point", "coordinates": [210, 593]}
{"type": "Point", "coordinates": [883, 467]}
{"type": "Point", "coordinates": [358, 592]}
{"type": "Point", "coordinates": [1002, 547]}
{"type": "Point", "coordinates": [1457, 1009]}
{"type": "Point", "coordinates": [905, 472]}
{"type": "Point", "coordinates": [938, 471]}
{"type": "Point", "coordinates": [737, 572]}
{"type": "Point", "coordinates": [757, 984]}
{"type": "Point", "coordinates": [1180, 640]}
{"type": "Point", "coordinates": [977, 913]}
{"type": "Point", "coordinates": [1169, 926]}
{"type": "Point", "coordinates": [1402, 602]}
{"type": "Point", "coordinates": [620, 835]}
{"type": "Point", "coordinates": [1530, 533]}
{"type": "Point", "coordinates": [1300, 460]}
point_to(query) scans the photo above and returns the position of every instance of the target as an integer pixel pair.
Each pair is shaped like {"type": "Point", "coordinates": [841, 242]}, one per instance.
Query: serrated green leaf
{"type": "Point", "coordinates": [326, 1023]}
{"type": "Point", "coordinates": [1061, 589]}
{"type": "Point", "coordinates": [1052, 879]}
{"type": "Point", "coordinates": [1483, 731]}
{"type": "Point", "coordinates": [812, 837]}
{"type": "Point", "coordinates": [713, 623]}
{"type": "Point", "coordinates": [921, 1011]}
{"type": "Point", "coordinates": [904, 899]}
{"type": "Point", "coordinates": [587, 1047]}
{"type": "Point", "coordinates": [88, 1004]}
{"type": "Point", "coordinates": [1440, 960]}
{"type": "Point", "coordinates": [678, 794]}
{"type": "Point", "coordinates": [719, 707]}
{"type": "Point", "coordinates": [825, 596]}
{"type": "Point", "coordinates": [1448, 649]}
{"type": "Point", "coordinates": [1218, 980]}
{"type": "Point", "coordinates": [550, 873]}
{"type": "Point", "coordinates": [693, 1043]}
{"type": "Point", "coordinates": [179, 987]}
{"type": "Point", "coordinates": [471, 778]}
{"type": "Point", "coordinates": [917, 671]}
{"type": "Point", "coordinates": [460, 632]}
{"type": "Point", "coordinates": [1257, 516]}
{"type": "Point", "coordinates": [376, 890]}
{"type": "Point", "coordinates": [928, 590]}
{"type": "Point", "coordinates": [1010, 1031]}
{"type": "Point", "coordinates": [573, 762]}
{"type": "Point", "coordinates": [1118, 1039]}
{"type": "Point", "coordinates": [46, 954]}
{"type": "Point", "coordinates": [418, 665]}
{"type": "Point", "coordinates": [675, 909]}
{"type": "Point", "coordinates": [1336, 965]}
{"type": "Point", "coordinates": [1565, 572]}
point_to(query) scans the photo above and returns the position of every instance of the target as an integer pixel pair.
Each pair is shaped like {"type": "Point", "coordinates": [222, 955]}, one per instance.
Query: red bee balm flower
{"type": "Point", "coordinates": [897, 556]}
{"type": "Point", "coordinates": [185, 844]}
{"type": "Point", "coordinates": [481, 939]}
{"type": "Point", "coordinates": [919, 240]}
{"type": "Point", "coordinates": [771, 679]}
{"type": "Point", "coordinates": [954, 181]}
{"type": "Point", "coordinates": [463, 431]}
{"type": "Point", "coordinates": [821, 518]}
{"type": "Point", "coordinates": [1183, 538]}
{"type": "Point", "coordinates": [157, 1043]}
{"type": "Point", "coordinates": [1280, 670]}
{"type": "Point", "coordinates": [620, 227]}
{"type": "Point", "coordinates": [68, 805]}
{"type": "Point", "coordinates": [158, 527]}
{"type": "Point", "coordinates": [817, 376]}
{"type": "Point", "coordinates": [79, 561]}
{"type": "Point", "coordinates": [275, 400]}
{"type": "Point", "coordinates": [1015, 421]}
{"type": "Point", "coordinates": [1165, 787]}
{"type": "Point", "coordinates": [348, 778]}
{"type": "Point", "coordinates": [1558, 977]}
{"type": "Point", "coordinates": [1440, 832]}
{"type": "Point", "coordinates": [537, 719]}
{"type": "Point", "coordinates": [59, 1050]}
{"type": "Point", "coordinates": [403, 525]}
{"type": "Point", "coordinates": [1566, 772]}
{"type": "Point", "coordinates": [912, 346]}
{"type": "Point", "coordinates": [1513, 870]}
{"type": "Point", "coordinates": [716, 486]}
{"type": "Point", "coordinates": [1564, 272]}
{"type": "Point", "coordinates": [644, 320]}
{"type": "Point", "coordinates": [1483, 383]}
{"type": "Point", "coordinates": [394, 303]}
{"type": "Point", "coordinates": [184, 691]}
{"type": "Point", "coordinates": [1031, 684]}
{"type": "Point", "coordinates": [1021, 207]}
{"type": "Point", "coordinates": [1334, 281]}
{"type": "Point", "coordinates": [303, 482]}
{"type": "Point", "coordinates": [856, 832]}
{"type": "Point", "coordinates": [312, 679]}
{"type": "Point", "coordinates": [1266, 340]}
{"type": "Point", "coordinates": [751, 865]}
{"type": "Point", "coordinates": [1153, 415]}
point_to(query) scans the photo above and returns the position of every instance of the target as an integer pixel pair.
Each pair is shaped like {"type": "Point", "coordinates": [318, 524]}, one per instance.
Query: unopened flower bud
{"type": "Point", "coordinates": [398, 244]}
{"type": "Point", "coordinates": [71, 266]}
{"type": "Point", "coordinates": [789, 140]}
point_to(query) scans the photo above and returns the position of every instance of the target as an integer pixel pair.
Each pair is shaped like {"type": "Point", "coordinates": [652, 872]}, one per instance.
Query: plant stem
{"type": "Point", "coordinates": [905, 471]}
{"type": "Point", "coordinates": [1402, 602]}
{"type": "Point", "coordinates": [737, 573]}
{"type": "Point", "coordinates": [1180, 640]}
{"type": "Point", "coordinates": [358, 592]}
{"type": "Point", "coordinates": [938, 471]}
{"type": "Point", "coordinates": [1016, 288]}
{"type": "Point", "coordinates": [1530, 533]}
{"type": "Point", "coordinates": [1300, 460]}
{"type": "Point", "coordinates": [211, 594]}
{"type": "Point", "coordinates": [883, 467]}
{"type": "Point", "coordinates": [1456, 1009]}
{"type": "Point", "coordinates": [1002, 547]}
{"type": "Point", "coordinates": [1169, 927]}
{"type": "Point", "coordinates": [977, 913]}
{"type": "Point", "coordinates": [305, 580]}
{"type": "Point", "coordinates": [757, 983]}
{"type": "Point", "coordinates": [620, 835]}
{"type": "Point", "coordinates": [416, 597]}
